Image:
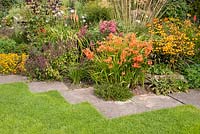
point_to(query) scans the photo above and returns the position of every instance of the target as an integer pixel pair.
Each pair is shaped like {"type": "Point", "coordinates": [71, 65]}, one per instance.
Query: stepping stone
{"type": "Point", "coordinates": [112, 109]}
{"type": "Point", "coordinates": [192, 97]}
{"type": "Point", "coordinates": [47, 86]}
{"type": "Point", "coordinates": [12, 78]}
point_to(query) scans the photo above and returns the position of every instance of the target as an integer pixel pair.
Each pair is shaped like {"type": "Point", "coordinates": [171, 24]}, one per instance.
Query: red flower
{"type": "Point", "coordinates": [195, 18]}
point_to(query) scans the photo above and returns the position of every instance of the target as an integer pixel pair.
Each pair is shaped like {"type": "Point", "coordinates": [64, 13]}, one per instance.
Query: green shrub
{"type": "Point", "coordinates": [31, 19]}
{"type": "Point", "coordinates": [95, 12]}
{"type": "Point", "coordinates": [10, 46]}
{"type": "Point", "coordinates": [192, 74]}
{"type": "Point", "coordinates": [113, 92]}
{"type": "Point", "coordinates": [52, 60]}
{"type": "Point", "coordinates": [6, 5]}
{"type": "Point", "coordinates": [7, 45]}
{"type": "Point", "coordinates": [175, 9]}
{"type": "Point", "coordinates": [168, 85]}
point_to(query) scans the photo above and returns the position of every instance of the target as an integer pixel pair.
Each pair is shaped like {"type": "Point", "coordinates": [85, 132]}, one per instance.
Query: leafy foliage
{"type": "Point", "coordinates": [176, 9]}
{"type": "Point", "coordinates": [192, 74]}
{"type": "Point", "coordinates": [75, 73]}
{"type": "Point", "coordinates": [159, 69]}
{"type": "Point", "coordinates": [168, 85]}
{"type": "Point", "coordinates": [113, 92]}
{"type": "Point", "coordinates": [95, 12]}
{"type": "Point", "coordinates": [51, 62]}
{"type": "Point", "coordinates": [10, 46]}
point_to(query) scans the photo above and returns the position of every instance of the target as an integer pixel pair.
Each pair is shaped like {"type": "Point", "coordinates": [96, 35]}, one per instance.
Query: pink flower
{"type": "Point", "coordinates": [108, 26]}
{"type": "Point", "coordinates": [82, 32]}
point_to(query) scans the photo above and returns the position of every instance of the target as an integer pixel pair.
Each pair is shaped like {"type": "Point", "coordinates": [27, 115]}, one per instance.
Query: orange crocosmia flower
{"type": "Point", "coordinates": [118, 41]}
{"type": "Point", "coordinates": [127, 49]}
{"type": "Point", "coordinates": [133, 37]}
{"type": "Point", "coordinates": [101, 48]}
{"type": "Point", "coordinates": [123, 56]}
{"type": "Point", "coordinates": [138, 58]}
{"type": "Point", "coordinates": [110, 66]}
{"type": "Point", "coordinates": [148, 50]}
{"type": "Point", "coordinates": [133, 43]}
{"type": "Point", "coordinates": [110, 36]}
{"type": "Point", "coordinates": [136, 65]}
{"type": "Point", "coordinates": [109, 60]}
{"type": "Point", "coordinates": [119, 63]}
{"type": "Point", "coordinates": [89, 54]}
{"type": "Point", "coordinates": [166, 19]}
{"type": "Point", "coordinates": [135, 52]}
{"type": "Point", "coordinates": [143, 45]}
{"type": "Point", "coordinates": [109, 49]}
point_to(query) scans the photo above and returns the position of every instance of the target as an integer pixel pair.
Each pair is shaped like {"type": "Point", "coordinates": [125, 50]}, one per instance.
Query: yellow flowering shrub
{"type": "Point", "coordinates": [173, 39]}
{"type": "Point", "coordinates": [12, 63]}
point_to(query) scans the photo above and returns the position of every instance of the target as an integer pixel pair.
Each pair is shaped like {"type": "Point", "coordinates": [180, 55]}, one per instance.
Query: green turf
{"type": "Point", "coordinates": [22, 112]}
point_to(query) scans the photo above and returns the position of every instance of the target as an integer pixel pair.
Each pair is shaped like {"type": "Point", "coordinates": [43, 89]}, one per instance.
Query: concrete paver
{"type": "Point", "coordinates": [192, 97]}
{"type": "Point", "coordinates": [12, 78]}
{"type": "Point", "coordinates": [47, 86]}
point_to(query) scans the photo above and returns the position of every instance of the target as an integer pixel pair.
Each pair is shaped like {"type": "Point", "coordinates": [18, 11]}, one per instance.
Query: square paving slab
{"type": "Point", "coordinates": [192, 97]}
{"type": "Point", "coordinates": [47, 86]}
{"type": "Point", "coordinates": [12, 78]}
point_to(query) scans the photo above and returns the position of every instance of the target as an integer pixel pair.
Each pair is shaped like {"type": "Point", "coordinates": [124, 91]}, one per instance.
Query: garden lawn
{"type": "Point", "coordinates": [48, 113]}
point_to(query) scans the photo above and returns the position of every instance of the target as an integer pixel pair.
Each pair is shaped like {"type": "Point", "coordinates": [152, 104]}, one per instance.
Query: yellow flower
{"type": "Point", "coordinates": [12, 63]}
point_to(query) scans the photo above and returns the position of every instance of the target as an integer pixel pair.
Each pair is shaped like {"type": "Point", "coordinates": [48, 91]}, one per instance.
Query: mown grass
{"type": "Point", "coordinates": [22, 112]}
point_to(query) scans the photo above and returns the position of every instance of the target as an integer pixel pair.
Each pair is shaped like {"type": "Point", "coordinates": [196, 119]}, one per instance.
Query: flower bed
{"type": "Point", "coordinates": [12, 63]}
